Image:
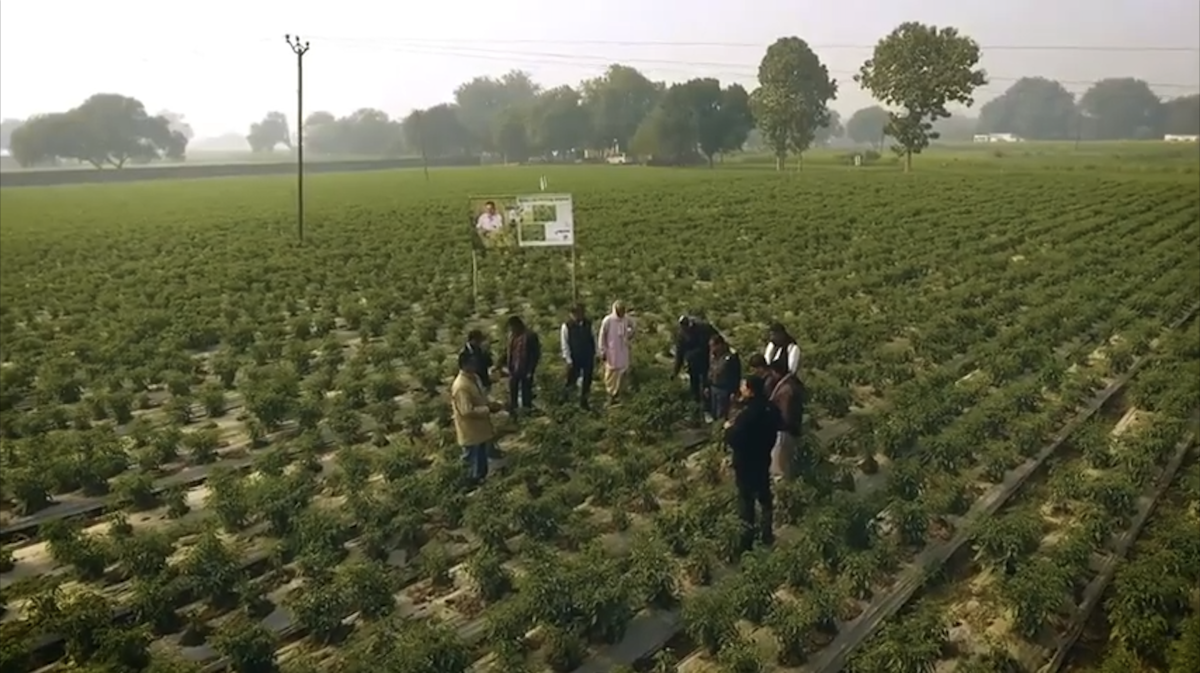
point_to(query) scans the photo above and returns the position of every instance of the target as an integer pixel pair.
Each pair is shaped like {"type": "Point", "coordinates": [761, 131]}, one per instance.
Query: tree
{"type": "Point", "coordinates": [792, 100]}
{"type": "Point", "coordinates": [617, 102]}
{"type": "Point", "coordinates": [1120, 109]}
{"type": "Point", "coordinates": [1033, 108]}
{"type": "Point", "coordinates": [833, 129]}
{"type": "Point", "coordinates": [558, 122]}
{"type": "Point", "coordinates": [365, 132]}
{"type": "Point", "coordinates": [511, 136]}
{"type": "Point", "coordinates": [868, 126]}
{"type": "Point", "coordinates": [670, 132]}
{"type": "Point", "coordinates": [921, 69]}
{"type": "Point", "coordinates": [6, 130]}
{"type": "Point", "coordinates": [175, 122]}
{"type": "Point", "coordinates": [481, 101]}
{"type": "Point", "coordinates": [106, 129]}
{"type": "Point", "coordinates": [436, 132]}
{"type": "Point", "coordinates": [722, 116]}
{"type": "Point", "coordinates": [1181, 116]}
{"type": "Point", "coordinates": [272, 131]}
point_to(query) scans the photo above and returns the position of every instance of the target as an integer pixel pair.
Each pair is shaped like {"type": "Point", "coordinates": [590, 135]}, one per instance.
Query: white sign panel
{"type": "Point", "coordinates": [545, 220]}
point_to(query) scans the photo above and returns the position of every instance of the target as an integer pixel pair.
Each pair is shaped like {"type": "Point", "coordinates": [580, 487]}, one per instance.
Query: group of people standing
{"type": "Point", "coordinates": [762, 411]}
{"type": "Point", "coordinates": [760, 404]}
{"type": "Point", "coordinates": [470, 401]}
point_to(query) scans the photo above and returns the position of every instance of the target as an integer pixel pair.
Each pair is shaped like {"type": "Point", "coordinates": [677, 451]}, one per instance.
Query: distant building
{"type": "Point", "coordinates": [997, 138]}
{"type": "Point", "coordinates": [1171, 138]}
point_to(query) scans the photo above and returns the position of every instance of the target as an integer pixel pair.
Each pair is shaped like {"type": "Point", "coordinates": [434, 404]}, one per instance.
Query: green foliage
{"type": "Point", "coordinates": [920, 69]}
{"type": "Point", "coordinates": [791, 102]}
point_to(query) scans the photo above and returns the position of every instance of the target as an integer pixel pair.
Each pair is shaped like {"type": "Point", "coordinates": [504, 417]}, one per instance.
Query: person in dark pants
{"type": "Point", "coordinates": [724, 376]}
{"type": "Point", "coordinates": [691, 350]}
{"type": "Point", "coordinates": [524, 353]}
{"type": "Point", "coordinates": [579, 352]}
{"type": "Point", "coordinates": [476, 348]}
{"type": "Point", "coordinates": [750, 437]}
{"type": "Point", "coordinates": [788, 395]}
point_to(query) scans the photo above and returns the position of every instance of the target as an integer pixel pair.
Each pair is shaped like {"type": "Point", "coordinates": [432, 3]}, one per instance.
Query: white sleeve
{"type": "Point", "coordinates": [602, 336]}
{"type": "Point", "coordinates": [794, 358]}
{"type": "Point", "coordinates": [565, 343]}
{"type": "Point", "coordinates": [769, 351]}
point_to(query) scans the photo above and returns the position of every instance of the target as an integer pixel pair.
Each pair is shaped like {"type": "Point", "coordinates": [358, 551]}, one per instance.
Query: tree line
{"type": "Point", "coordinates": [915, 72]}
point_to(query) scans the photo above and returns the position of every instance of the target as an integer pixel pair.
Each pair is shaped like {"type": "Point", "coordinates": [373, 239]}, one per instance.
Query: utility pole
{"type": "Point", "coordinates": [299, 49]}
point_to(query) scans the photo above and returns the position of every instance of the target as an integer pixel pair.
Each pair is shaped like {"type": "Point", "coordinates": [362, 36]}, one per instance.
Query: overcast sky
{"type": "Point", "coordinates": [224, 64]}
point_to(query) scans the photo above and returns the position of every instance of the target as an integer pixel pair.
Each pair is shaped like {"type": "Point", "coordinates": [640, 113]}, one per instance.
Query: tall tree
{"type": "Point", "coordinates": [269, 133]}
{"type": "Point", "coordinates": [617, 102]}
{"type": "Point", "coordinates": [1181, 116]}
{"type": "Point", "coordinates": [1121, 108]}
{"type": "Point", "coordinates": [670, 133]}
{"type": "Point", "coordinates": [1034, 108]}
{"type": "Point", "coordinates": [437, 131]}
{"type": "Point", "coordinates": [832, 129]}
{"type": "Point", "coordinates": [106, 129]}
{"type": "Point", "coordinates": [559, 122]}
{"type": "Point", "coordinates": [481, 101]}
{"type": "Point", "coordinates": [739, 119]}
{"type": "Point", "coordinates": [512, 134]}
{"type": "Point", "coordinates": [792, 100]}
{"type": "Point", "coordinates": [921, 69]}
{"type": "Point", "coordinates": [868, 126]}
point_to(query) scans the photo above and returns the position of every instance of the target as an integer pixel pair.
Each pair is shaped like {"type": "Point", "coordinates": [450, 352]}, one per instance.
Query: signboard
{"type": "Point", "coordinates": [545, 220]}
{"type": "Point", "coordinates": [533, 221]}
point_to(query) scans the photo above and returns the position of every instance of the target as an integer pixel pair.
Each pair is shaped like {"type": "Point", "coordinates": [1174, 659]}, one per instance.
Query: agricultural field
{"type": "Point", "coordinates": [224, 449]}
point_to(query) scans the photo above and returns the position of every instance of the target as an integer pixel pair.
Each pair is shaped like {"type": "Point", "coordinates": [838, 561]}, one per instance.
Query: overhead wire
{"type": "Point", "coordinates": [593, 60]}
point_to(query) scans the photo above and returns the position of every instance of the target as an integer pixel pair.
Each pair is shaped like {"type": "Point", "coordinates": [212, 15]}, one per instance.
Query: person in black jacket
{"type": "Point", "coordinates": [579, 352]}
{"type": "Point", "coordinates": [524, 353]}
{"type": "Point", "coordinates": [724, 376]}
{"type": "Point", "coordinates": [691, 349]}
{"type": "Point", "coordinates": [751, 436]}
{"type": "Point", "coordinates": [476, 349]}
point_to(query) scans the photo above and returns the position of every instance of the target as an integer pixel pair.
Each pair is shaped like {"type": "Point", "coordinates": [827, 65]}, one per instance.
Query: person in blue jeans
{"type": "Point", "coordinates": [724, 376]}
{"type": "Point", "coordinates": [472, 413]}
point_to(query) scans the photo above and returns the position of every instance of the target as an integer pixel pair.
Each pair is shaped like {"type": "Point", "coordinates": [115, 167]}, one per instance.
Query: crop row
{"type": "Point", "coordinates": [1039, 566]}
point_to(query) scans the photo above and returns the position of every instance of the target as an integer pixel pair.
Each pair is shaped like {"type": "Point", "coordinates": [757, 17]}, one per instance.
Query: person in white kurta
{"type": "Point", "coordinates": [614, 339]}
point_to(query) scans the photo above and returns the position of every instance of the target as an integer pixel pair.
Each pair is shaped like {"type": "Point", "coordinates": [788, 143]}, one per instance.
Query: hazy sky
{"type": "Point", "coordinates": [224, 64]}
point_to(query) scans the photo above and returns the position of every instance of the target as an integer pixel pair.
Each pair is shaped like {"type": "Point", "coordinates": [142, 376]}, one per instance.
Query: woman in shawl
{"type": "Point", "coordinates": [616, 333]}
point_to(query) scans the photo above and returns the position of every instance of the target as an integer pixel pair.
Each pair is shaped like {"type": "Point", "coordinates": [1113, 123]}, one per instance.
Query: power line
{"type": "Point", "coordinates": [734, 69]}
{"type": "Point", "coordinates": [418, 41]}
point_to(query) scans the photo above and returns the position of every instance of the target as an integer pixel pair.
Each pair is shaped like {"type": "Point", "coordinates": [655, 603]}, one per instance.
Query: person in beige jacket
{"type": "Point", "coordinates": [472, 417]}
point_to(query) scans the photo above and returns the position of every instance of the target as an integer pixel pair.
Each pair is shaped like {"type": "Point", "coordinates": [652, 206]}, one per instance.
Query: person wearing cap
{"type": "Point", "coordinates": [472, 413]}
{"type": "Point", "coordinates": [579, 352]}
{"type": "Point", "coordinates": [615, 341]}
{"type": "Point", "coordinates": [692, 350]}
{"type": "Point", "coordinates": [781, 346]}
{"type": "Point", "coordinates": [524, 354]}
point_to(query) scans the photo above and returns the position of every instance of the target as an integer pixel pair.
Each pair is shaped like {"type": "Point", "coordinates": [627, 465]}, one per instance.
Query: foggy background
{"type": "Point", "coordinates": [224, 64]}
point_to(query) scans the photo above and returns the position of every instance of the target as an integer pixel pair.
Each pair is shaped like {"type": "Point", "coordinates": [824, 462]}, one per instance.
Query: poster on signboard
{"type": "Point", "coordinates": [545, 220]}
{"type": "Point", "coordinates": [494, 221]}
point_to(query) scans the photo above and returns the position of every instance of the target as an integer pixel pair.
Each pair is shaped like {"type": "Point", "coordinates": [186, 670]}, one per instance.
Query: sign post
{"type": "Point", "coordinates": [541, 220]}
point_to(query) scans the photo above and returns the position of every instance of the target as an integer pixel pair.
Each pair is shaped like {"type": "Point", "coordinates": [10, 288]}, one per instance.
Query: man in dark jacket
{"type": "Point", "coordinates": [481, 358]}
{"type": "Point", "coordinates": [524, 353]}
{"type": "Point", "coordinates": [579, 352]}
{"type": "Point", "coordinates": [750, 436]}
{"type": "Point", "coordinates": [691, 349]}
{"type": "Point", "coordinates": [724, 376]}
